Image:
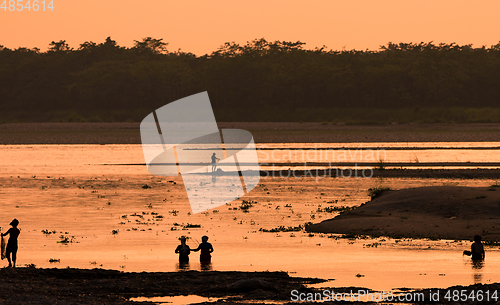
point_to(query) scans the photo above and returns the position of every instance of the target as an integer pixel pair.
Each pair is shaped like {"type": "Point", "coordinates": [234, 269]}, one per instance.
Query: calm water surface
{"type": "Point", "coordinates": [113, 222]}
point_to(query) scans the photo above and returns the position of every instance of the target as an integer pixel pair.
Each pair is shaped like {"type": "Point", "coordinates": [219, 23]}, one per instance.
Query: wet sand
{"type": "Point", "coordinates": [438, 212]}
{"type": "Point", "coordinates": [263, 132]}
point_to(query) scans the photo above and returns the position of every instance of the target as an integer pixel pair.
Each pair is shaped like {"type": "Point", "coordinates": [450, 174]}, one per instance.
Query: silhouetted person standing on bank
{"type": "Point", "coordinates": [183, 251]}
{"type": "Point", "coordinates": [206, 248]}
{"type": "Point", "coordinates": [12, 243]}
{"type": "Point", "coordinates": [477, 249]}
{"type": "Point", "coordinates": [214, 162]}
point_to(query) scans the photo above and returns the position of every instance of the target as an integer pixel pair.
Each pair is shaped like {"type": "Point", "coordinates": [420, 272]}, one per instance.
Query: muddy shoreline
{"type": "Point", "coordinates": [263, 132]}
{"type": "Point", "coordinates": [99, 286]}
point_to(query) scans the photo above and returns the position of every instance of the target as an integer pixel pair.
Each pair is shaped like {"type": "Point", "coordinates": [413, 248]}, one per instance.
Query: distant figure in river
{"type": "Point", "coordinates": [12, 243]}
{"type": "Point", "coordinates": [477, 249]}
{"type": "Point", "coordinates": [206, 248]}
{"type": "Point", "coordinates": [183, 251]}
{"type": "Point", "coordinates": [214, 162]}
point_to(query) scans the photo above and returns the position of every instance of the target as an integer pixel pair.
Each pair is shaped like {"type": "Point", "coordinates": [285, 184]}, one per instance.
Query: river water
{"type": "Point", "coordinates": [110, 219]}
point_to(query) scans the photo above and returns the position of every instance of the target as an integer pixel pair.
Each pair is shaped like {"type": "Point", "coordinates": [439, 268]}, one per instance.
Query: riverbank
{"type": "Point", "coordinates": [100, 286]}
{"type": "Point", "coordinates": [263, 132]}
{"type": "Point", "coordinates": [437, 212]}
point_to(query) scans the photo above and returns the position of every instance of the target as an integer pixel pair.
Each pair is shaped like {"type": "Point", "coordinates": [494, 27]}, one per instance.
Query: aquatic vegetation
{"type": "Point", "coordinates": [491, 243]}
{"type": "Point", "coordinates": [189, 226]}
{"type": "Point", "coordinates": [30, 265]}
{"type": "Point", "coordinates": [47, 232]}
{"type": "Point", "coordinates": [286, 229]}
{"type": "Point", "coordinates": [66, 239]}
{"type": "Point", "coordinates": [54, 260]}
{"type": "Point", "coordinates": [374, 245]}
{"type": "Point", "coordinates": [353, 236]}
{"type": "Point", "coordinates": [333, 209]}
{"type": "Point", "coordinates": [247, 204]}
{"type": "Point", "coordinates": [374, 192]}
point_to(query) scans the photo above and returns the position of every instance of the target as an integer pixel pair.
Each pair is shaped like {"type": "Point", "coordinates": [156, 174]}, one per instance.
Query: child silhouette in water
{"type": "Point", "coordinates": [183, 251]}
{"type": "Point", "coordinates": [206, 248]}
{"type": "Point", "coordinates": [477, 248]}
{"type": "Point", "coordinates": [12, 243]}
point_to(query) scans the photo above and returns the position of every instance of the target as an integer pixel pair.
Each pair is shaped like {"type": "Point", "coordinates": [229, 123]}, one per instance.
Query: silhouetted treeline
{"type": "Point", "coordinates": [259, 81]}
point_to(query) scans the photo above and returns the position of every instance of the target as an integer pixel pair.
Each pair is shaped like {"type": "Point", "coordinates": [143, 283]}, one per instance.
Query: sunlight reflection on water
{"type": "Point", "coordinates": [64, 188]}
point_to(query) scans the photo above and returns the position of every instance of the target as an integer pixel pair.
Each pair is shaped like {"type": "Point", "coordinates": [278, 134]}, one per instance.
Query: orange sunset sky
{"type": "Point", "coordinates": [202, 26]}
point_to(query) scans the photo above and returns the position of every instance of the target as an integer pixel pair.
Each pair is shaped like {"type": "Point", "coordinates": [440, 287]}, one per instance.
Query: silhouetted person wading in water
{"type": "Point", "coordinates": [206, 248]}
{"type": "Point", "coordinates": [12, 243]}
{"type": "Point", "coordinates": [183, 251]}
{"type": "Point", "coordinates": [477, 248]}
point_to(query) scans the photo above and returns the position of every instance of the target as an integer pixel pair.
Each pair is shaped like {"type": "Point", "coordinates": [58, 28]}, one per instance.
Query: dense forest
{"type": "Point", "coordinates": [259, 81]}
